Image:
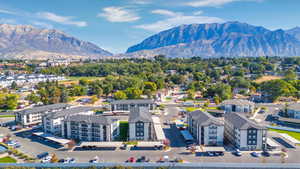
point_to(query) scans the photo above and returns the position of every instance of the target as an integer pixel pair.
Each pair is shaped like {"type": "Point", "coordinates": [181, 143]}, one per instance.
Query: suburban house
{"type": "Point", "coordinates": [22, 79]}
{"type": "Point", "coordinates": [126, 105]}
{"type": "Point", "coordinates": [34, 115]}
{"type": "Point", "coordinates": [141, 124]}
{"type": "Point", "coordinates": [293, 110]}
{"type": "Point", "coordinates": [90, 128]}
{"type": "Point", "coordinates": [238, 105]}
{"type": "Point", "coordinates": [207, 129]}
{"type": "Point", "coordinates": [243, 133]}
{"type": "Point", "coordinates": [53, 121]}
{"type": "Point", "coordinates": [291, 114]}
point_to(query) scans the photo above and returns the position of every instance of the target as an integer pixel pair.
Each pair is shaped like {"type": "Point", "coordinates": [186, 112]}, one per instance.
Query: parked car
{"type": "Point", "coordinates": [237, 152]}
{"type": "Point", "coordinates": [95, 160]}
{"type": "Point", "coordinates": [131, 160]}
{"type": "Point", "coordinates": [255, 154]}
{"type": "Point", "coordinates": [42, 155]}
{"type": "Point", "coordinates": [266, 154]}
{"type": "Point", "coordinates": [46, 159]}
{"type": "Point", "coordinates": [72, 160]}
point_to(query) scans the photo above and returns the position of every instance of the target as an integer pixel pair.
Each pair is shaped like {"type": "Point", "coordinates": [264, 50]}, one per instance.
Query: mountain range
{"type": "Point", "coordinates": [27, 42]}
{"type": "Point", "coordinates": [230, 39]}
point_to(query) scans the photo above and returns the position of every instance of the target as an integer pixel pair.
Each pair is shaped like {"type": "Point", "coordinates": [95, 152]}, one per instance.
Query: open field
{"type": "Point", "coordinates": [75, 79]}
{"type": "Point", "coordinates": [4, 116]}
{"type": "Point", "coordinates": [293, 134]}
{"type": "Point", "coordinates": [190, 109]}
{"type": "Point", "coordinates": [267, 78]}
{"type": "Point", "coordinates": [7, 159]}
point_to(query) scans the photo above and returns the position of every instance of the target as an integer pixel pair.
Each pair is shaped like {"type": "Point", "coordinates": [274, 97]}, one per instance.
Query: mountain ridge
{"type": "Point", "coordinates": [28, 42]}
{"type": "Point", "coordinates": [229, 39]}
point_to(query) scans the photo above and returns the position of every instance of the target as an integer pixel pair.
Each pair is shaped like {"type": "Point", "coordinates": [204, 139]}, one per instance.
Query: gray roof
{"type": "Point", "coordinates": [203, 118]}
{"type": "Point", "coordinates": [98, 119]}
{"type": "Point", "coordinates": [70, 111]}
{"type": "Point", "coordinates": [237, 102]}
{"type": "Point", "coordinates": [294, 106]}
{"type": "Point", "coordinates": [43, 109]}
{"type": "Point", "coordinates": [134, 101]}
{"type": "Point", "coordinates": [140, 114]}
{"type": "Point", "coordinates": [241, 122]}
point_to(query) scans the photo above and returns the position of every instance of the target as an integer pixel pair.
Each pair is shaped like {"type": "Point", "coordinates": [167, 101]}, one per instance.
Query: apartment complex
{"type": "Point", "coordinates": [126, 105]}
{"type": "Point", "coordinates": [90, 128]}
{"type": "Point", "coordinates": [52, 121]}
{"type": "Point", "coordinates": [34, 115]}
{"type": "Point", "coordinates": [238, 105]}
{"type": "Point", "coordinates": [22, 79]}
{"type": "Point", "coordinates": [141, 124]}
{"type": "Point", "coordinates": [207, 130]}
{"type": "Point", "coordinates": [243, 133]}
{"type": "Point", "coordinates": [293, 110]}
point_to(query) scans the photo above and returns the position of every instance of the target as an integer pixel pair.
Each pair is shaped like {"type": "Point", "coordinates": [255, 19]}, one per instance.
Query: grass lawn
{"type": "Point", "coordinates": [267, 78]}
{"type": "Point", "coordinates": [123, 130]}
{"type": "Point", "coordinates": [291, 133]}
{"type": "Point", "coordinates": [7, 159]}
{"type": "Point", "coordinates": [75, 79]}
{"type": "Point", "coordinates": [3, 116]}
{"type": "Point", "coordinates": [190, 109]}
{"type": "Point", "coordinates": [83, 77]}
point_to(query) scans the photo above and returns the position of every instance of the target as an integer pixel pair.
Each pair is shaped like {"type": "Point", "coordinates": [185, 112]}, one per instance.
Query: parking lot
{"type": "Point", "coordinates": [33, 146]}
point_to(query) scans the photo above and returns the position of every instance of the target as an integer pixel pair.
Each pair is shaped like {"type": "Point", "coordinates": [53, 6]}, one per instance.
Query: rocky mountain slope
{"type": "Point", "coordinates": [27, 42]}
{"type": "Point", "coordinates": [231, 39]}
{"type": "Point", "coordinates": [294, 32]}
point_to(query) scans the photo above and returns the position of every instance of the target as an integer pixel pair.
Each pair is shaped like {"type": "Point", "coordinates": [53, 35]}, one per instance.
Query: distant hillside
{"type": "Point", "coordinates": [27, 42]}
{"type": "Point", "coordinates": [231, 39]}
{"type": "Point", "coordinates": [294, 32]}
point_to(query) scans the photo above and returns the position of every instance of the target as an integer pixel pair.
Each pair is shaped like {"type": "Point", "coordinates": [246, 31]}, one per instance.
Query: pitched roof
{"type": "Point", "coordinates": [134, 101]}
{"type": "Point", "coordinates": [140, 114]}
{"type": "Point", "coordinates": [43, 109]}
{"type": "Point", "coordinates": [99, 119]}
{"type": "Point", "coordinates": [242, 122]}
{"type": "Point", "coordinates": [203, 118]}
{"type": "Point", "coordinates": [70, 111]}
{"type": "Point", "coordinates": [294, 106]}
{"type": "Point", "coordinates": [238, 102]}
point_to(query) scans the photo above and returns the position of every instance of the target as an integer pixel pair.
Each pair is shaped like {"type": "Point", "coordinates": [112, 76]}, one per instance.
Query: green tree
{"type": "Point", "coordinates": [33, 98]}
{"type": "Point", "coordinates": [133, 93]}
{"type": "Point", "coordinates": [11, 101]}
{"type": "Point", "coordinates": [277, 88]}
{"type": "Point", "coordinates": [14, 85]}
{"type": "Point", "coordinates": [150, 86]}
{"type": "Point", "coordinates": [290, 75]}
{"type": "Point", "coordinates": [120, 95]}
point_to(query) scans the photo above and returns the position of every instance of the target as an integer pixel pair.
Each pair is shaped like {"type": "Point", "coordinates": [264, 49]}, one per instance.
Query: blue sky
{"type": "Point", "coordinates": [117, 24]}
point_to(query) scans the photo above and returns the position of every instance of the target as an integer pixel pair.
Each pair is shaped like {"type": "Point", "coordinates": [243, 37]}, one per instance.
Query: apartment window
{"type": "Point", "coordinates": [139, 129]}
{"type": "Point", "coordinates": [252, 136]}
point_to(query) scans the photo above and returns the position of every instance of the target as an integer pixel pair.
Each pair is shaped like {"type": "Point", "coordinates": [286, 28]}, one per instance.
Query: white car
{"type": "Point", "coordinates": [47, 159]}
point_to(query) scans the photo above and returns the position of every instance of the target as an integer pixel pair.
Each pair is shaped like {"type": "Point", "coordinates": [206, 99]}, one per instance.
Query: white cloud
{"type": "Point", "coordinates": [175, 19]}
{"type": "Point", "coordinates": [118, 14]}
{"type": "Point", "coordinates": [4, 11]}
{"type": "Point", "coordinates": [42, 24]}
{"type": "Point", "coordinates": [7, 21]}
{"type": "Point", "coordinates": [198, 13]}
{"type": "Point", "coordinates": [66, 20]}
{"type": "Point", "coordinates": [213, 3]}
{"type": "Point", "coordinates": [141, 2]}
{"type": "Point", "coordinates": [164, 12]}
{"type": "Point", "coordinates": [210, 3]}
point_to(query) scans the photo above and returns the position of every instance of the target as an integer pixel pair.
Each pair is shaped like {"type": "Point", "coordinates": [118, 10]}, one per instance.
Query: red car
{"type": "Point", "coordinates": [131, 160]}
